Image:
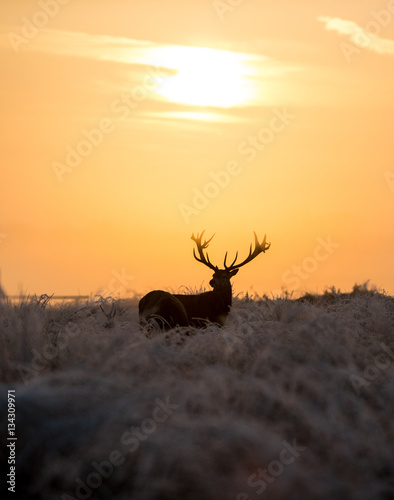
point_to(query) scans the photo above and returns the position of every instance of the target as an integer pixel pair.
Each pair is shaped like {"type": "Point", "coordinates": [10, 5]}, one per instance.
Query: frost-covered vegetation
{"type": "Point", "coordinates": [292, 399]}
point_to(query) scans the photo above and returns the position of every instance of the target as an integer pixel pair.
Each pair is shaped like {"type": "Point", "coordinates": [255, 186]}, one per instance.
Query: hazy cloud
{"type": "Point", "coordinates": [100, 47]}
{"type": "Point", "coordinates": [359, 36]}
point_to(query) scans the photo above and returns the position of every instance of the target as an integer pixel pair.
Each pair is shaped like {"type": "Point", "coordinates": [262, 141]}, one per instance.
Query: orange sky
{"type": "Point", "coordinates": [127, 126]}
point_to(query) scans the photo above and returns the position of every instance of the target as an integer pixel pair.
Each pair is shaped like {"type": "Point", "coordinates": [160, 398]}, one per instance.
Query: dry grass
{"type": "Point", "coordinates": [317, 371]}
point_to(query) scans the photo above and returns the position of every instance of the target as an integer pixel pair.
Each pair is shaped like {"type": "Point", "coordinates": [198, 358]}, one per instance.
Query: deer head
{"type": "Point", "coordinates": [221, 277]}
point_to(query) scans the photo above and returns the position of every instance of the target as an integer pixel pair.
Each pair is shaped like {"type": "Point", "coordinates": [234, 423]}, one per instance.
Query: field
{"type": "Point", "coordinates": [291, 399]}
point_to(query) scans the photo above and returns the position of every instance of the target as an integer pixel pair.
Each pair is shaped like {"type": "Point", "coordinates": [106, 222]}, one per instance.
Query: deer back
{"type": "Point", "coordinates": [163, 308]}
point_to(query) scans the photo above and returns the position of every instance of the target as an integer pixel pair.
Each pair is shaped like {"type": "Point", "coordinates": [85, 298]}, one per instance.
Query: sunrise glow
{"type": "Point", "coordinates": [205, 77]}
{"type": "Point", "coordinates": [127, 128]}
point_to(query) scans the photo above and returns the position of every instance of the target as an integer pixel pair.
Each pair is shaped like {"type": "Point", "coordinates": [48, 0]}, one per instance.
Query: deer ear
{"type": "Point", "coordinates": [233, 273]}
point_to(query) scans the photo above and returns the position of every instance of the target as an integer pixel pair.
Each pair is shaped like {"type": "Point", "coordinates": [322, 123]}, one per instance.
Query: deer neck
{"type": "Point", "coordinates": [223, 294]}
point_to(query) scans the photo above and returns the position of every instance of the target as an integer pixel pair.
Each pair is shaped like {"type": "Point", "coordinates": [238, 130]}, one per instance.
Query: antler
{"type": "Point", "coordinates": [201, 247]}
{"type": "Point", "coordinates": [258, 248]}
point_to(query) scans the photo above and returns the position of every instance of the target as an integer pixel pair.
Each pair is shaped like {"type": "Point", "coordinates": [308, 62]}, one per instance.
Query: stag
{"type": "Point", "coordinates": [169, 310]}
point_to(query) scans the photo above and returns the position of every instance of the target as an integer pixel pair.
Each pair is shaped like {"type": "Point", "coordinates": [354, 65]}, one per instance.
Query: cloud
{"type": "Point", "coordinates": [199, 76]}
{"type": "Point", "coordinates": [99, 47]}
{"type": "Point", "coordinates": [361, 37]}
{"type": "Point", "coordinates": [203, 69]}
{"type": "Point", "coordinates": [115, 49]}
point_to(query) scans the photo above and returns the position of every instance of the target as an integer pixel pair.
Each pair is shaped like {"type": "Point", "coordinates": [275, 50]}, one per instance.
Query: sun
{"type": "Point", "coordinates": [204, 77]}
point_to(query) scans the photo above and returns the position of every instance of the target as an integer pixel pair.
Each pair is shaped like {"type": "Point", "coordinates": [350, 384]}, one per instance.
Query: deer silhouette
{"type": "Point", "coordinates": [168, 310]}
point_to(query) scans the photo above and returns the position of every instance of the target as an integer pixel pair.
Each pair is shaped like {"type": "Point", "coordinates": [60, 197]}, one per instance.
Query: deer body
{"type": "Point", "coordinates": [211, 306]}
{"type": "Point", "coordinates": [168, 310]}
